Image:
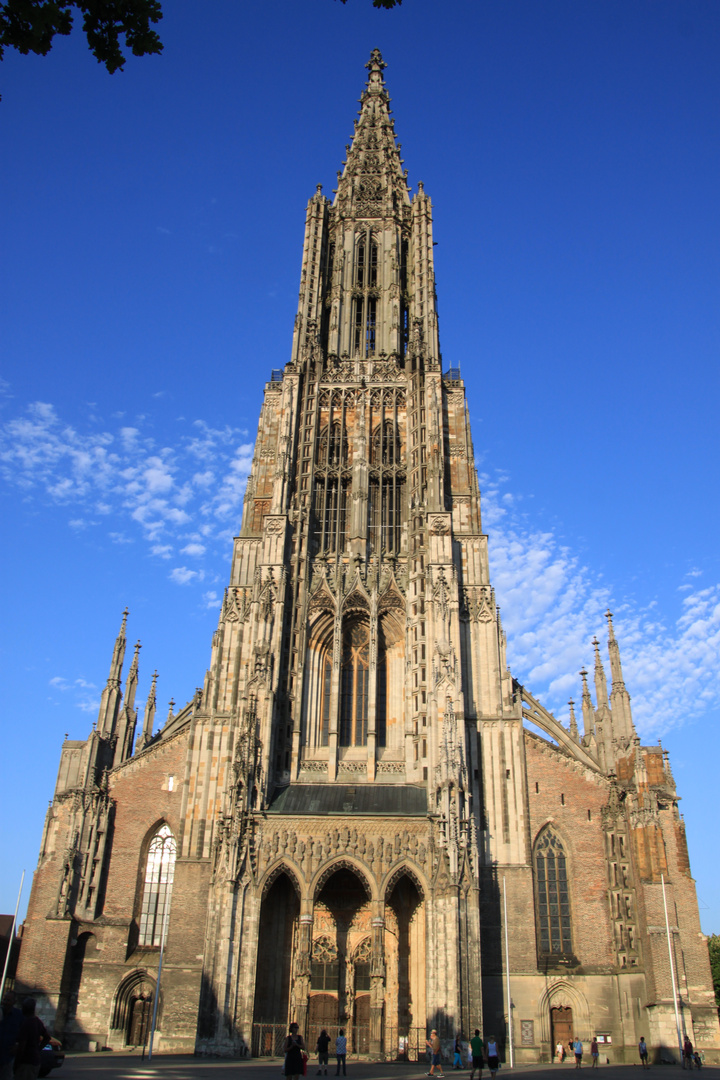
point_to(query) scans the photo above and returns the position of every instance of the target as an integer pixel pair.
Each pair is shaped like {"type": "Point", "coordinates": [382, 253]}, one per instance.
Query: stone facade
{"type": "Point", "coordinates": [331, 830]}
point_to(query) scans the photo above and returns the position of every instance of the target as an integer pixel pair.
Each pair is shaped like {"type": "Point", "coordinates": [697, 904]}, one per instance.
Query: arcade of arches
{"type": "Point", "coordinates": [344, 960]}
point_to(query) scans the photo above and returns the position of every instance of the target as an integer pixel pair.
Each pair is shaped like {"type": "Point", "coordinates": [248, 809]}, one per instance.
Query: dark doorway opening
{"type": "Point", "coordinates": [278, 929]}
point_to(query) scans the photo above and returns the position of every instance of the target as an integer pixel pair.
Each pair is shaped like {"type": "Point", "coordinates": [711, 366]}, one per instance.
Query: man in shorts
{"type": "Point", "coordinates": [643, 1052]}
{"type": "Point", "coordinates": [476, 1046]}
{"type": "Point", "coordinates": [434, 1046]}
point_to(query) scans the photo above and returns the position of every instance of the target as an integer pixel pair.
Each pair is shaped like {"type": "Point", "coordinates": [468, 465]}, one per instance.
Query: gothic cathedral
{"type": "Point", "coordinates": [342, 824]}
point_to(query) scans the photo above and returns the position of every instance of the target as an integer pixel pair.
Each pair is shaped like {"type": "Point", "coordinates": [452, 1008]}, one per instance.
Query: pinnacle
{"type": "Point", "coordinates": [372, 179]}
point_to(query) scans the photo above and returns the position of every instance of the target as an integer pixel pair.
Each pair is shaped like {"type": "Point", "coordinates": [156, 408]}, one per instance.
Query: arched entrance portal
{"type": "Point", "coordinates": [279, 916]}
{"type": "Point", "coordinates": [405, 959]}
{"type": "Point", "coordinates": [132, 1011]}
{"type": "Point", "coordinates": [340, 961]}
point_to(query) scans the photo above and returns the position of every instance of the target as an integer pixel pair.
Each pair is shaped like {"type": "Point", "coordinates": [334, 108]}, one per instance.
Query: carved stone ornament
{"type": "Point", "coordinates": [274, 525]}
{"type": "Point", "coordinates": [438, 524]}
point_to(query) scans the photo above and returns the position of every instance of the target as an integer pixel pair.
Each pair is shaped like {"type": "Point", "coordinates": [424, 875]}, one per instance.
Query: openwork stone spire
{"type": "Point", "coordinates": [373, 183]}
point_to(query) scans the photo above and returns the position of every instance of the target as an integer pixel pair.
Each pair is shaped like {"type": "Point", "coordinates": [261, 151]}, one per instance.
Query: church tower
{"type": "Point", "coordinates": [361, 819]}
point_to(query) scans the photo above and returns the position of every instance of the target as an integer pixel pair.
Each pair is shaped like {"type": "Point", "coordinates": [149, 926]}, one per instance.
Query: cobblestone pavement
{"type": "Point", "coordinates": [111, 1066]}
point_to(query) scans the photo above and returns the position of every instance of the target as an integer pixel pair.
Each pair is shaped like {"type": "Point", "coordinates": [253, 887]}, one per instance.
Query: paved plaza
{"type": "Point", "coordinates": [116, 1066]}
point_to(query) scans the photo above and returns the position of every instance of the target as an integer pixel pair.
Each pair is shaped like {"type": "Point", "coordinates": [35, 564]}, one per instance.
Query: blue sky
{"type": "Point", "coordinates": [152, 225]}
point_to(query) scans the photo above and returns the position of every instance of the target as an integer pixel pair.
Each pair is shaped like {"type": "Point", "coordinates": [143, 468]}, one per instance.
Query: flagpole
{"type": "Point", "coordinates": [672, 970]}
{"type": "Point", "coordinates": [11, 939]}
{"type": "Point", "coordinates": [507, 977]}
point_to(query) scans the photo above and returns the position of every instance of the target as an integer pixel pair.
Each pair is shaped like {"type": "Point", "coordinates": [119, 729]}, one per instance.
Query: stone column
{"type": "Point", "coordinates": [302, 968]}
{"type": "Point", "coordinates": [377, 981]}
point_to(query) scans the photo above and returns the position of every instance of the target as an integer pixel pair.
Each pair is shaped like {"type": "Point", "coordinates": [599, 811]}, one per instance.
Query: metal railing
{"type": "Point", "coordinates": [268, 1040]}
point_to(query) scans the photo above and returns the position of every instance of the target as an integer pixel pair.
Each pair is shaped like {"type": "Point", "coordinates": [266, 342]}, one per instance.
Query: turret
{"type": "Point", "coordinates": [149, 718]}
{"type": "Point", "coordinates": [112, 694]}
{"type": "Point", "coordinates": [128, 715]}
{"type": "Point", "coordinates": [623, 726]}
{"type": "Point", "coordinates": [587, 708]}
{"type": "Point", "coordinates": [603, 717]}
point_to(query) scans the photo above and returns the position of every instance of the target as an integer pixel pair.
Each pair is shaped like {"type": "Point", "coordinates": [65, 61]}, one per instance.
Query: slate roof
{"type": "Point", "coordinates": [398, 800]}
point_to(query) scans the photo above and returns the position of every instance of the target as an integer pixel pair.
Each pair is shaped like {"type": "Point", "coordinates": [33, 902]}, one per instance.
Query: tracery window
{"type": "Point", "coordinates": [385, 500]}
{"type": "Point", "coordinates": [355, 679]}
{"type": "Point", "coordinates": [331, 509]}
{"type": "Point", "coordinates": [364, 315]}
{"type": "Point", "coordinates": [381, 701]}
{"type": "Point", "coordinates": [325, 965]}
{"type": "Point", "coordinates": [325, 695]}
{"type": "Point", "coordinates": [157, 891]}
{"type": "Point", "coordinates": [332, 446]}
{"type": "Point", "coordinates": [553, 901]}
{"type": "Point", "coordinates": [386, 444]}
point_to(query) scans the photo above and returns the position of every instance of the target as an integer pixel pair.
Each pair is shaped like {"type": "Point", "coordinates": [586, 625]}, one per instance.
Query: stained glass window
{"type": "Point", "coordinates": [553, 901]}
{"type": "Point", "coordinates": [159, 874]}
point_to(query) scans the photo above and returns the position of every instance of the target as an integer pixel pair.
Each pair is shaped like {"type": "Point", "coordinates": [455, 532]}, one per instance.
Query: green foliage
{"type": "Point", "coordinates": [31, 25]}
{"type": "Point", "coordinates": [714, 950]}
{"type": "Point", "coordinates": [383, 3]}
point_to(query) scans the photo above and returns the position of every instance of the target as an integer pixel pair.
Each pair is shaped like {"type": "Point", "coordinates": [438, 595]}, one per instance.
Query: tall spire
{"type": "Point", "coordinates": [587, 707]}
{"type": "Point", "coordinates": [600, 681]}
{"type": "Point", "coordinates": [128, 715]}
{"type": "Point", "coordinates": [373, 171]}
{"type": "Point", "coordinates": [574, 733]}
{"type": "Point", "coordinates": [619, 697]}
{"type": "Point", "coordinates": [112, 694]}
{"type": "Point", "coordinates": [149, 718]}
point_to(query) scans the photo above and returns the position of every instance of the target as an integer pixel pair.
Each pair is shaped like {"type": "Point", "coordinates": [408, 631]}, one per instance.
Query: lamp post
{"type": "Point", "coordinates": [11, 938]}
{"type": "Point", "coordinates": [507, 979]}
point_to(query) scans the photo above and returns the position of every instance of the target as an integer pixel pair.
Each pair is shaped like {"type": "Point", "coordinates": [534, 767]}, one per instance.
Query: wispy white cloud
{"type": "Point", "coordinates": [123, 473]}
{"type": "Point", "coordinates": [181, 575]}
{"type": "Point", "coordinates": [187, 497]}
{"type": "Point", "coordinates": [552, 606]}
{"type": "Point", "coordinates": [84, 693]}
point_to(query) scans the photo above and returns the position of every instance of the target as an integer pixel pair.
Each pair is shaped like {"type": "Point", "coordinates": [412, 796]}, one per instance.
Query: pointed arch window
{"type": "Point", "coordinates": [332, 446]}
{"type": "Point", "coordinates": [385, 502]}
{"type": "Point", "coordinates": [552, 896]}
{"type": "Point", "coordinates": [325, 696]}
{"type": "Point", "coordinates": [157, 890]}
{"type": "Point", "coordinates": [364, 313]}
{"type": "Point", "coordinates": [381, 701]}
{"type": "Point", "coordinates": [355, 682]}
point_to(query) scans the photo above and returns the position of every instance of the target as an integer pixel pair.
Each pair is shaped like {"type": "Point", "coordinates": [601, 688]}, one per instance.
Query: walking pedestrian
{"type": "Point", "coordinates": [578, 1052]}
{"type": "Point", "coordinates": [433, 1044]}
{"type": "Point", "coordinates": [476, 1048]}
{"type": "Point", "coordinates": [341, 1052]}
{"type": "Point", "coordinates": [687, 1053]}
{"type": "Point", "coordinates": [457, 1059]}
{"type": "Point", "coordinates": [595, 1052]}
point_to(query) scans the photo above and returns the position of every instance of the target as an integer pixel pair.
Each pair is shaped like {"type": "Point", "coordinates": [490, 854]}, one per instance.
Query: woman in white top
{"type": "Point", "coordinates": [492, 1055]}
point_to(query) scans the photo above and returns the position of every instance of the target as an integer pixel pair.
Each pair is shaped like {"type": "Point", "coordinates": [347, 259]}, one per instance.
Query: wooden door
{"type": "Point", "coordinates": [562, 1026]}
{"type": "Point", "coordinates": [140, 1019]}
{"type": "Point", "coordinates": [361, 1033]}
{"type": "Point", "coordinates": [322, 1013]}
